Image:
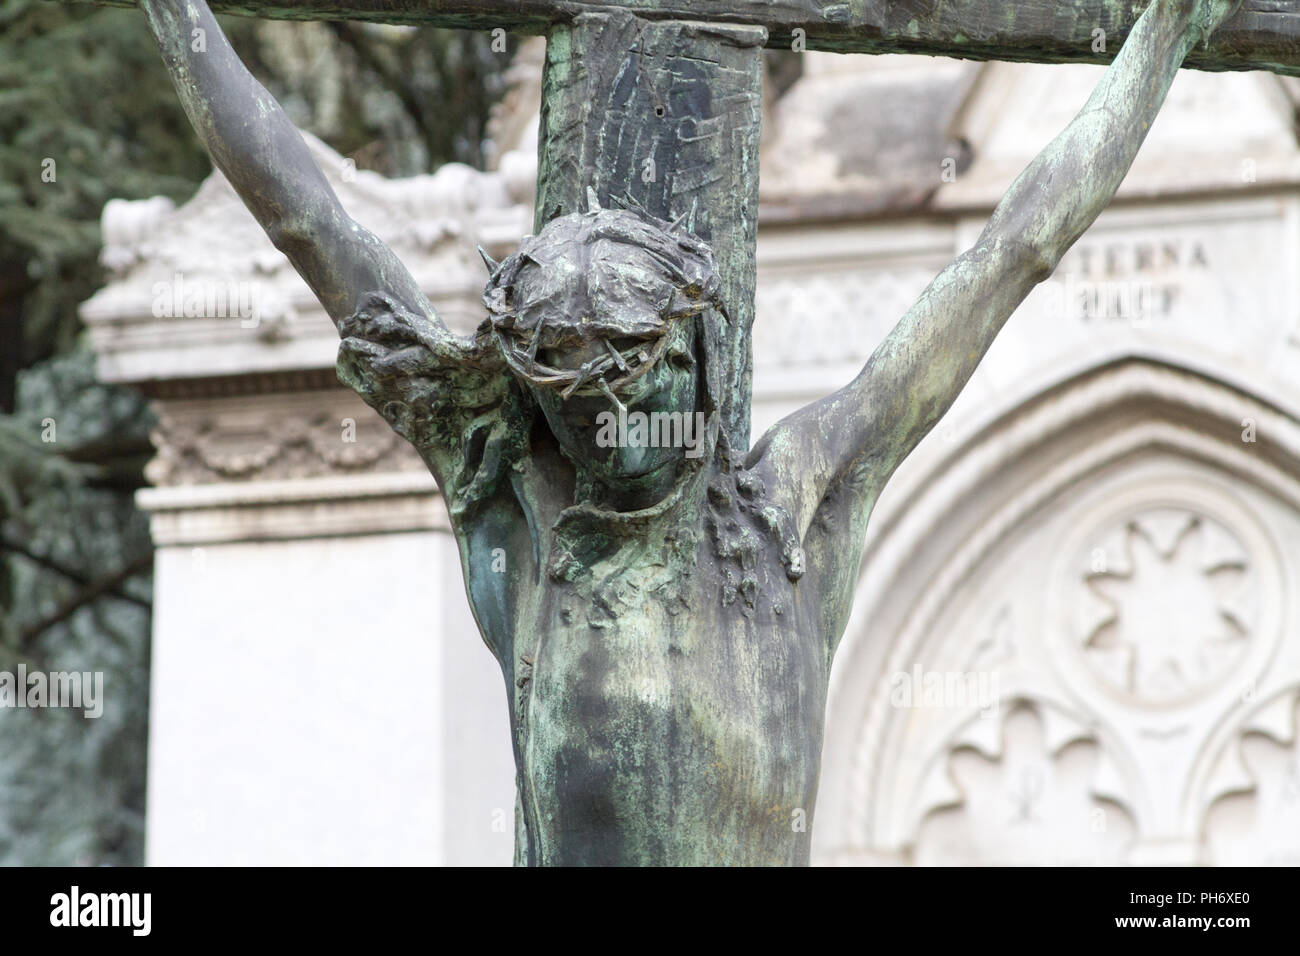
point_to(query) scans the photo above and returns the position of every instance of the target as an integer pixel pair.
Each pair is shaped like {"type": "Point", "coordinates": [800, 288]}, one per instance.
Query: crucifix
{"type": "Point", "coordinates": [665, 600]}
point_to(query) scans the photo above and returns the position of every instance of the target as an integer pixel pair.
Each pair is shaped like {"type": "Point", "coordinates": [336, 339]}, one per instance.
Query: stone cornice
{"type": "Point", "coordinates": [199, 292]}
{"type": "Point", "coordinates": [294, 509]}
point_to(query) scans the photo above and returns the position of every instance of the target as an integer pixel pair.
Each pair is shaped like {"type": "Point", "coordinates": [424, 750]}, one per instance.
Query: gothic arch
{"type": "Point", "coordinates": [1133, 456]}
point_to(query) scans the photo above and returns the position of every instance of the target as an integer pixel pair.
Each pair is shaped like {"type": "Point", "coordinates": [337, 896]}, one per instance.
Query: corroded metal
{"type": "Point", "coordinates": [665, 613]}
{"type": "Point", "coordinates": [663, 116]}
{"type": "Point", "coordinates": [1262, 35]}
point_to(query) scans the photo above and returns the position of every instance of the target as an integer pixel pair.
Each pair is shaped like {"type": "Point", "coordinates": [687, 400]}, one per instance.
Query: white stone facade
{"type": "Point", "coordinates": [1076, 637]}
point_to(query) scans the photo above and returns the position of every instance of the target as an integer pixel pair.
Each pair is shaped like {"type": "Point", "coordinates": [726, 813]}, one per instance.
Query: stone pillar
{"type": "Point", "coordinates": [303, 709]}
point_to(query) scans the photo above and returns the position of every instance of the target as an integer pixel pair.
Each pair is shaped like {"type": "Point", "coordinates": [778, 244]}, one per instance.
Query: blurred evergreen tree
{"type": "Point", "coordinates": [88, 114]}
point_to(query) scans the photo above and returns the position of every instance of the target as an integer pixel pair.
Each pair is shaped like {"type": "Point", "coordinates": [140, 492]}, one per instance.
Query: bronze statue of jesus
{"type": "Point", "coordinates": [664, 607]}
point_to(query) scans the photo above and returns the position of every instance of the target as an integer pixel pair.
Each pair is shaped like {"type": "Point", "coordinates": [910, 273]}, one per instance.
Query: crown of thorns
{"type": "Point", "coordinates": [593, 279]}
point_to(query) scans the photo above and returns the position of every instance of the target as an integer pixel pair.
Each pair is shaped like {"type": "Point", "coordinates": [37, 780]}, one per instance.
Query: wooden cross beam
{"type": "Point", "coordinates": [1263, 35]}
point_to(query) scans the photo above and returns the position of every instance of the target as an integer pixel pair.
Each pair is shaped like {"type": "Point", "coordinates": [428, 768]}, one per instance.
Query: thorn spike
{"type": "Point", "coordinates": [492, 264]}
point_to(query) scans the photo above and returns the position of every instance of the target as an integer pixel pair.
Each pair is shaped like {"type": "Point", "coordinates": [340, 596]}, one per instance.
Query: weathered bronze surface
{"type": "Point", "coordinates": [1261, 35]}
{"type": "Point", "coordinates": [664, 613]}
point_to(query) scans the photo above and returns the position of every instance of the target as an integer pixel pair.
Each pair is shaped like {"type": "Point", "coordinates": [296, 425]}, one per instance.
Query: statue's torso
{"type": "Point", "coordinates": [666, 673]}
{"type": "Point", "coordinates": [671, 738]}
{"type": "Point", "coordinates": [653, 722]}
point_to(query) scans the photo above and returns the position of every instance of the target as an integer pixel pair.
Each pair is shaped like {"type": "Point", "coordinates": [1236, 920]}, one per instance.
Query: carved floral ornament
{"type": "Point", "coordinates": [1170, 598]}
{"type": "Point", "coordinates": [1169, 604]}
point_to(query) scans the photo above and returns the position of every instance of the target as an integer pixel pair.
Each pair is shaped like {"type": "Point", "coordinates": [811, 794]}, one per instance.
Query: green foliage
{"type": "Point", "coordinates": [84, 101]}
{"type": "Point", "coordinates": [399, 100]}
{"type": "Point", "coordinates": [87, 114]}
{"type": "Point", "coordinates": [72, 787]}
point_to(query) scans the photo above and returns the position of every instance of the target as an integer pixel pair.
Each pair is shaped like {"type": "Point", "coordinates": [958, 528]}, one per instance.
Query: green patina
{"type": "Point", "coordinates": [665, 622]}
{"type": "Point", "coordinates": [1263, 35]}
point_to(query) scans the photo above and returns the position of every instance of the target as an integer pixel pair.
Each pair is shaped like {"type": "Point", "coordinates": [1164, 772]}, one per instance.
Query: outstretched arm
{"type": "Point", "coordinates": [864, 431]}
{"type": "Point", "coordinates": [252, 141]}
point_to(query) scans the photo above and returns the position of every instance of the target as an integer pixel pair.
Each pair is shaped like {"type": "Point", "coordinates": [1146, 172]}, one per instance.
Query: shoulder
{"type": "Point", "coordinates": [812, 468]}
{"type": "Point", "coordinates": [449, 396]}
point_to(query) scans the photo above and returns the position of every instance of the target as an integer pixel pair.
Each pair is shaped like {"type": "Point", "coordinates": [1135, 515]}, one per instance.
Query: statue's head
{"type": "Point", "coordinates": [598, 316]}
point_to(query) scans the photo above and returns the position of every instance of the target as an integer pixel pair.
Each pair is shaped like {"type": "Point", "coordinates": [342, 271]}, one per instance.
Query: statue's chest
{"type": "Point", "coordinates": [664, 643]}
{"type": "Point", "coordinates": [636, 709]}
{"type": "Point", "coordinates": [626, 644]}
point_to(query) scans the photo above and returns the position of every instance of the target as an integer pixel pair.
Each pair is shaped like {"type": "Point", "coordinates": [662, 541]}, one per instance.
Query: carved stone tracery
{"type": "Point", "coordinates": [1171, 591]}
{"type": "Point", "coordinates": [1026, 800]}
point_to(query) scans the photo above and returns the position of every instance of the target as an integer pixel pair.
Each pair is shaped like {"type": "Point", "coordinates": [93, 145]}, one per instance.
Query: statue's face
{"type": "Point", "coordinates": [582, 423]}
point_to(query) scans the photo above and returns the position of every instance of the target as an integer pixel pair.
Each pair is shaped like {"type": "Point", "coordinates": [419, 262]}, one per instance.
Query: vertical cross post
{"type": "Point", "coordinates": [665, 114]}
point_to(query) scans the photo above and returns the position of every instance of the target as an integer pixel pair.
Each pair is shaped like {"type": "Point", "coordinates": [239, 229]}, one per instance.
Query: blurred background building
{"type": "Point", "coordinates": [1075, 638]}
